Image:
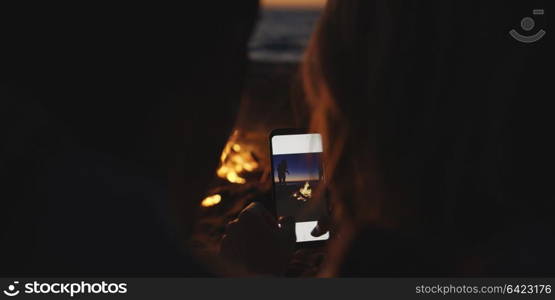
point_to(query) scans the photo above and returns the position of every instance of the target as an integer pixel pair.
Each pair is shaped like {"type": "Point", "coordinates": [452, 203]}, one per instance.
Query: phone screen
{"type": "Point", "coordinates": [298, 176]}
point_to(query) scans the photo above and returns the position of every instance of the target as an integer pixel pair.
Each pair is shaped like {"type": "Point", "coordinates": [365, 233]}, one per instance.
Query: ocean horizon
{"type": "Point", "coordinates": [282, 35]}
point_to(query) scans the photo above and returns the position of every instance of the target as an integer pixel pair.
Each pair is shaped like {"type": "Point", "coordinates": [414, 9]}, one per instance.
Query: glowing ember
{"type": "Point", "coordinates": [235, 160]}
{"type": "Point", "coordinates": [211, 200]}
{"type": "Point", "coordinates": [304, 193]}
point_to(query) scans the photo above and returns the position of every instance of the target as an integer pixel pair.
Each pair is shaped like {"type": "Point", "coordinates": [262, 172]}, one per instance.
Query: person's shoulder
{"type": "Point", "coordinates": [377, 251]}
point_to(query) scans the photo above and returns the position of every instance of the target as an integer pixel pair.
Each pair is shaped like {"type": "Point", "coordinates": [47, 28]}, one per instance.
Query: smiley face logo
{"type": "Point", "coordinates": [527, 24]}
{"type": "Point", "coordinates": [11, 290]}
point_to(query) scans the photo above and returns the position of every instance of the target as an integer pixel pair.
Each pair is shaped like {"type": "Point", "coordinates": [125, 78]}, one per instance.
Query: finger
{"type": "Point", "coordinates": [259, 211]}
{"type": "Point", "coordinates": [254, 220]}
{"type": "Point", "coordinates": [318, 231]}
{"type": "Point", "coordinates": [231, 227]}
{"type": "Point", "coordinates": [271, 218]}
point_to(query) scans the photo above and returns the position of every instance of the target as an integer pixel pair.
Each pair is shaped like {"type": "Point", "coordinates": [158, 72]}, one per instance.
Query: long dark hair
{"type": "Point", "coordinates": [416, 105]}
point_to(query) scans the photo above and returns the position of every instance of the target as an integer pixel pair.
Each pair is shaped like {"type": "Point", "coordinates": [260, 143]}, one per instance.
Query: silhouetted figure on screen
{"type": "Point", "coordinates": [282, 171]}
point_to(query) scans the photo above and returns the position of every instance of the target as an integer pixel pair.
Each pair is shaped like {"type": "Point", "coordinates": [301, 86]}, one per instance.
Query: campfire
{"type": "Point", "coordinates": [235, 161]}
{"type": "Point", "coordinates": [243, 174]}
{"type": "Point", "coordinates": [304, 193]}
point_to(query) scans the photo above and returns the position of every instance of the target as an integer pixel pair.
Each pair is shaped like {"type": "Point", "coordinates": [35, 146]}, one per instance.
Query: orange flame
{"type": "Point", "coordinates": [211, 200]}
{"type": "Point", "coordinates": [235, 160]}
{"type": "Point", "coordinates": [306, 190]}
{"type": "Point", "coordinates": [304, 193]}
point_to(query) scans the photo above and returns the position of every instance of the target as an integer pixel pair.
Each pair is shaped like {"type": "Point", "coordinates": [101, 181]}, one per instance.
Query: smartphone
{"type": "Point", "coordinates": [298, 180]}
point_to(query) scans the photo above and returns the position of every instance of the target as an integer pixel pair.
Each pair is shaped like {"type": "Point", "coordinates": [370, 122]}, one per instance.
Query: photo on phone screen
{"type": "Point", "coordinates": [297, 174]}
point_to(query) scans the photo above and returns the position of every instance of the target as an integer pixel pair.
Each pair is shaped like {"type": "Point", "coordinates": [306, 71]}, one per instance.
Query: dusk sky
{"type": "Point", "coordinates": [293, 3]}
{"type": "Point", "coordinates": [302, 167]}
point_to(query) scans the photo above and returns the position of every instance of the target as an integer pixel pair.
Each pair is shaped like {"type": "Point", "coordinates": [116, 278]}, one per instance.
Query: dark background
{"type": "Point", "coordinates": [112, 119]}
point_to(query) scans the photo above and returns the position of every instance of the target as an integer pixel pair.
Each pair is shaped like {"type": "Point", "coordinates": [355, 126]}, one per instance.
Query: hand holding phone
{"type": "Point", "coordinates": [256, 243]}
{"type": "Point", "coordinates": [298, 178]}
{"type": "Point", "coordinates": [256, 239]}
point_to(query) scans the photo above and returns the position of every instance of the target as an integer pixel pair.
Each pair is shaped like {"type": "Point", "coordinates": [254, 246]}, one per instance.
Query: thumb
{"type": "Point", "coordinates": [322, 227]}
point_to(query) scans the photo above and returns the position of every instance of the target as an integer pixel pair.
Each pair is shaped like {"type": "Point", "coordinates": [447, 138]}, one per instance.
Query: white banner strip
{"type": "Point", "coordinates": [297, 143]}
